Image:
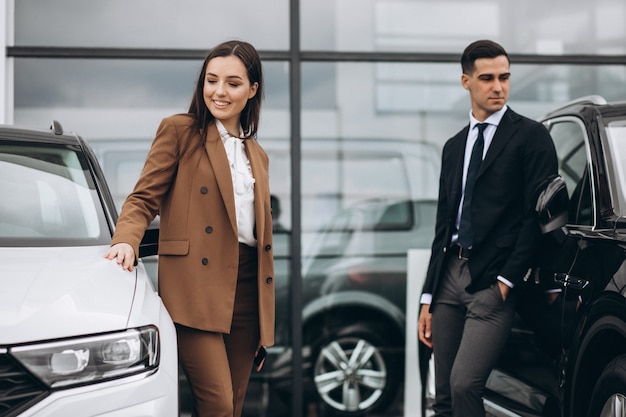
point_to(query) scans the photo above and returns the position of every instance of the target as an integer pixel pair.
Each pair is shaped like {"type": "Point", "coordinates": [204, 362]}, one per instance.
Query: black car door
{"type": "Point", "coordinates": [528, 377]}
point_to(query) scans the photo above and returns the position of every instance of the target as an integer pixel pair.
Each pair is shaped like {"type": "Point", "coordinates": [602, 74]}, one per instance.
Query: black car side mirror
{"type": "Point", "coordinates": [150, 243]}
{"type": "Point", "coordinates": [551, 204]}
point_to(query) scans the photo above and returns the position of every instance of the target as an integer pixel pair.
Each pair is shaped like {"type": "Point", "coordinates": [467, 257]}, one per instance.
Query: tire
{"type": "Point", "coordinates": [609, 395]}
{"type": "Point", "coordinates": [352, 373]}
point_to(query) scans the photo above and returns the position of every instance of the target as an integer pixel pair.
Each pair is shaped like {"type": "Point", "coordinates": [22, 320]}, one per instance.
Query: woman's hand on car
{"type": "Point", "coordinates": [124, 255]}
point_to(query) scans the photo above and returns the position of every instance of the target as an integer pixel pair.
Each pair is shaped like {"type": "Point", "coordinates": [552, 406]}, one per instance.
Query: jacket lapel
{"type": "Point", "coordinates": [260, 175]}
{"type": "Point", "coordinates": [219, 161]}
{"type": "Point", "coordinates": [505, 130]}
{"type": "Point", "coordinates": [457, 163]}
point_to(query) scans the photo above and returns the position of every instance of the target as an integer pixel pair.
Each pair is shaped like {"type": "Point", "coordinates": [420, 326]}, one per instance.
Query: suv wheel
{"type": "Point", "coordinates": [609, 395]}
{"type": "Point", "coordinates": [352, 374]}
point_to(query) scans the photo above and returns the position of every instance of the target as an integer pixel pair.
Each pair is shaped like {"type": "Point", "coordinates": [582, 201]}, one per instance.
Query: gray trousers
{"type": "Point", "coordinates": [469, 332]}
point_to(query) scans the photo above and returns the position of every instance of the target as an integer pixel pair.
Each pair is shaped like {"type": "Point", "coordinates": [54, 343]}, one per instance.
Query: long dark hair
{"type": "Point", "coordinates": [251, 112]}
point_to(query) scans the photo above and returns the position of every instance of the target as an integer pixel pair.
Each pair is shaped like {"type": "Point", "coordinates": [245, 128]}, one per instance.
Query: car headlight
{"type": "Point", "coordinates": [91, 359]}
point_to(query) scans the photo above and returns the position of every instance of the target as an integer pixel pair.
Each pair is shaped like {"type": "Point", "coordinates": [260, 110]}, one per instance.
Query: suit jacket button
{"type": "Point", "coordinates": [205, 261]}
{"type": "Point", "coordinates": [209, 229]}
{"type": "Point", "coordinates": [268, 280]}
{"type": "Point", "coordinates": [268, 247]}
{"type": "Point", "coordinates": [204, 190]}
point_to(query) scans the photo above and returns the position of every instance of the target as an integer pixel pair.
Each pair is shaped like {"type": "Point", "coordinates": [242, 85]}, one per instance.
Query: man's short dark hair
{"type": "Point", "coordinates": [480, 49]}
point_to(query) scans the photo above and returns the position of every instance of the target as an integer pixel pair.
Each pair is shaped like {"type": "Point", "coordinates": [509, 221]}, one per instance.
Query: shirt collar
{"type": "Point", "coordinates": [494, 119]}
{"type": "Point", "coordinates": [224, 133]}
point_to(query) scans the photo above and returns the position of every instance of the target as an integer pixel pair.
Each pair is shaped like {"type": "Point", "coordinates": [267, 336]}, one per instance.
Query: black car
{"type": "Point", "coordinates": [566, 356]}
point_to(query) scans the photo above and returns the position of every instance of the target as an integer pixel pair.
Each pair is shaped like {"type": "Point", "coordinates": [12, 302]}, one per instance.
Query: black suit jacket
{"type": "Point", "coordinates": [504, 224]}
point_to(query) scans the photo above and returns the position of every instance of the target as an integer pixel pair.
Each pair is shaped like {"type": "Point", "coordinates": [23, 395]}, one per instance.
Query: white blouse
{"type": "Point", "coordinates": [243, 184]}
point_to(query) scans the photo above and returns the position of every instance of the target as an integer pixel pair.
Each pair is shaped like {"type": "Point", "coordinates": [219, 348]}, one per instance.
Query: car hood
{"type": "Point", "coordinates": [49, 293]}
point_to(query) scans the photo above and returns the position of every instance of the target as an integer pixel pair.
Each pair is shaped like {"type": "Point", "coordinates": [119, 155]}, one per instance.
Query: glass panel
{"type": "Point", "coordinates": [369, 183]}
{"type": "Point", "coordinates": [426, 102]}
{"type": "Point", "coordinates": [126, 99]}
{"type": "Point", "coordinates": [594, 26]}
{"type": "Point", "coordinates": [151, 24]}
{"type": "Point", "coordinates": [102, 98]}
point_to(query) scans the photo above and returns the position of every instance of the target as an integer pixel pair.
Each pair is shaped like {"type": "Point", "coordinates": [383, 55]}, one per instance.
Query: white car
{"type": "Point", "coordinates": [78, 335]}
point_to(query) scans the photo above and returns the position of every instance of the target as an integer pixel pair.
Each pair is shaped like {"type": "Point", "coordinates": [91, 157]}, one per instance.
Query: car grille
{"type": "Point", "coordinates": [18, 388]}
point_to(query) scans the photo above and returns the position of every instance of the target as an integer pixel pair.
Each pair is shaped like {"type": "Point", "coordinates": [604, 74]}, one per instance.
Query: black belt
{"type": "Point", "coordinates": [460, 252]}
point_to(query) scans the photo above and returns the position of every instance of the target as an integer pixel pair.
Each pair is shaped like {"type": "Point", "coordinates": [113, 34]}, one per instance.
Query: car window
{"type": "Point", "coordinates": [121, 161]}
{"type": "Point", "coordinates": [48, 194]}
{"type": "Point", "coordinates": [396, 216]}
{"type": "Point", "coordinates": [616, 135]}
{"type": "Point", "coordinates": [569, 140]}
{"type": "Point", "coordinates": [334, 238]}
{"type": "Point", "coordinates": [383, 220]}
{"type": "Point", "coordinates": [335, 182]}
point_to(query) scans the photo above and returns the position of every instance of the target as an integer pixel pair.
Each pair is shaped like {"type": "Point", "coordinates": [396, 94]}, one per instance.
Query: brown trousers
{"type": "Point", "coordinates": [218, 365]}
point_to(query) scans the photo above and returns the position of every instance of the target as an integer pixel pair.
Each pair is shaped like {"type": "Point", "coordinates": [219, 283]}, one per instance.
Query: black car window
{"type": "Point", "coordinates": [569, 140]}
{"type": "Point", "coordinates": [396, 216]}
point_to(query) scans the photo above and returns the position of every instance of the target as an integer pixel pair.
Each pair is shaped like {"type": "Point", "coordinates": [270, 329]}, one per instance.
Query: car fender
{"type": "Point", "coordinates": [352, 299]}
{"type": "Point", "coordinates": [600, 337]}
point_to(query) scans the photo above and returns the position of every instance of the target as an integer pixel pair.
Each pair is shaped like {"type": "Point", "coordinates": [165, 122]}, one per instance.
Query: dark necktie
{"type": "Point", "coordinates": [465, 227]}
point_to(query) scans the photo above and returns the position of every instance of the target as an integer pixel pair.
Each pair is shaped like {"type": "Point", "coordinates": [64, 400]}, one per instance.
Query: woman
{"type": "Point", "coordinates": [207, 177]}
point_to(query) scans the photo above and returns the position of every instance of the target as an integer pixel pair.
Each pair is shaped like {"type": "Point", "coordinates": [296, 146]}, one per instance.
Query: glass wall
{"type": "Point", "coordinates": [523, 27]}
{"type": "Point", "coordinates": [354, 150]}
{"type": "Point", "coordinates": [187, 24]}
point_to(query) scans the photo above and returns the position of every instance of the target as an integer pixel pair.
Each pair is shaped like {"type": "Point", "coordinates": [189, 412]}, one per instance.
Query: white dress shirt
{"type": "Point", "coordinates": [243, 184]}
{"type": "Point", "coordinates": [493, 121]}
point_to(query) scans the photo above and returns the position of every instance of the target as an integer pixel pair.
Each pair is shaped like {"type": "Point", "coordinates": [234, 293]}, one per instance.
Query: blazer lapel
{"type": "Point", "coordinates": [219, 161]}
{"type": "Point", "coordinates": [505, 130]}
{"type": "Point", "coordinates": [457, 163]}
{"type": "Point", "coordinates": [260, 175]}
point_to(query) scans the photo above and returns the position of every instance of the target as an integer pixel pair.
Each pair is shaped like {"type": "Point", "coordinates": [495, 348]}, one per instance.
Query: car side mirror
{"type": "Point", "coordinates": [150, 243]}
{"type": "Point", "coordinates": [551, 204]}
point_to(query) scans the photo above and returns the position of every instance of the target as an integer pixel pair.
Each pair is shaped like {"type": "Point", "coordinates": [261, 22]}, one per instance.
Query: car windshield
{"type": "Point", "coordinates": [48, 197]}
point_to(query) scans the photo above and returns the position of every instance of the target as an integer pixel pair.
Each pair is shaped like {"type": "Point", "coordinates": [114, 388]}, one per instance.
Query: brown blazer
{"type": "Point", "coordinates": [198, 244]}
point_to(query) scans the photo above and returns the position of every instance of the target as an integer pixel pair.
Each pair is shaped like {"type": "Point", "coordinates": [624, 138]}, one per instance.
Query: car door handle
{"type": "Point", "coordinates": [566, 280]}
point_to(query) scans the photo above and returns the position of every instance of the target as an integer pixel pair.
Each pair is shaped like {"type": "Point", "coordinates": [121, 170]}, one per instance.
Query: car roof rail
{"type": "Point", "coordinates": [591, 99]}
{"type": "Point", "coordinates": [56, 127]}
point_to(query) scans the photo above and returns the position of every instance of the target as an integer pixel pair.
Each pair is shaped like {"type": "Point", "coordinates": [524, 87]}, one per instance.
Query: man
{"type": "Point", "coordinates": [277, 226]}
{"type": "Point", "coordinates": [485, 233]}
